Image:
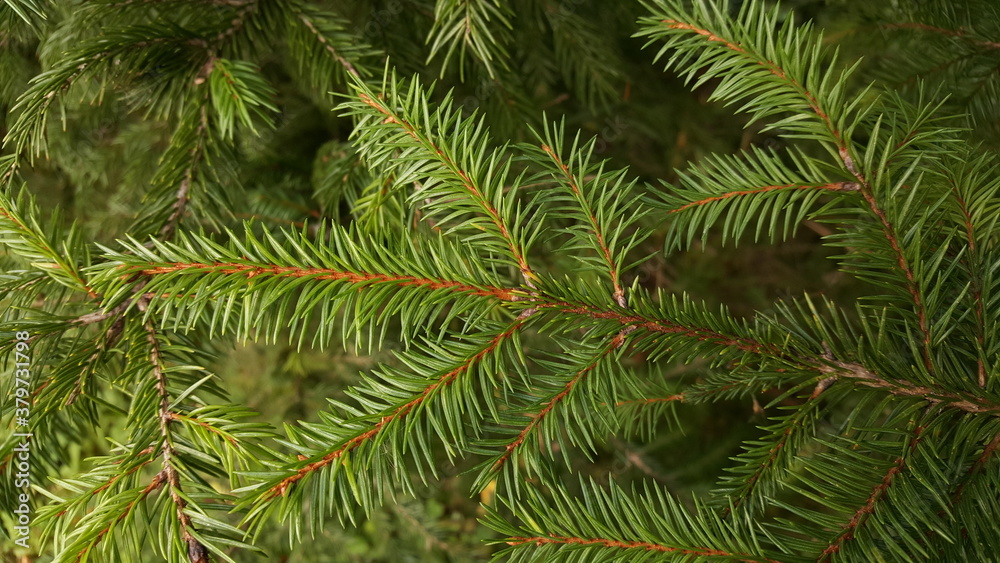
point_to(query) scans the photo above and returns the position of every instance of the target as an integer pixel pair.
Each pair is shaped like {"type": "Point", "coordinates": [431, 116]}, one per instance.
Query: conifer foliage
{"type": "Point", "coordinates": [883, 415]}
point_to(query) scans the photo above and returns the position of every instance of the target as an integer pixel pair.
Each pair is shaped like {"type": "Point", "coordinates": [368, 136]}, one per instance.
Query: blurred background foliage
{"type": "Point", "coordinates": [572, 59]}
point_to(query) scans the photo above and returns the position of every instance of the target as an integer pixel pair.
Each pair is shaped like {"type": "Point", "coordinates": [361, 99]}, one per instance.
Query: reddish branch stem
{"type": "Point", "coordinates": [844, 151]}
{"type": "Point", "coordinates": [602, 542]}
{"type": "Point", "coordinates": [551, 404]}
{"type": "Point", "coordinates": [602, 246]}
{"type": "Point", "coordinates": [876, 495]}
{"type": "Point", "coordinates": [197, 552]}
{"type": "Point", "coordinates": [836, 186]}
{"type": "Point", "coordinates": [399, 412]}
{"type": "Point", "coordinates": [467, 183]}
{"type": "Point", "coordinates": [903, 388]}
{"type": "Point", "coordinates": [673, 398]}
{"type": "Point", "coordinates": [329, 48]}
{"type": "Point", "coordinates": [665, 326]}
{"type": "Point", "coordinates": [51, 252]}
{"type": "Point", "coordinates": [976, 285]}
{"type": "Point", "coordinates": [252, 270]}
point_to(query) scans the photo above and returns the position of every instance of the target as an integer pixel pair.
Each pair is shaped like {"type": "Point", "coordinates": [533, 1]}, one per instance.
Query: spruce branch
{"type": "Point", "coordinates": [961, 33]}
{"type": "Point", "coordinates": [612, 523]}
{"type": "Point", "coordinates": [396, 277]}
{"type": "Point", "coordinates": [329, 48]}
{"type": "Point", "coordinates": [889, 230]}
{"type": "Point", "coordinates": [935, 396]}
{"type": "Point", "coordinates": [238, 94]}
{"type": "Point", "coordinates": [498, 276]}
{"type": "Point", "coordinates": [401, 413]}
{"type": "Point", "coordinates": [194, 156]}
{"type": "Point", "coordinates": [588, 62]}
{"type": "Point", "coordinates": [534, 433]}
{"type": "Point", "coordinates": [746, 57]}
{"type": "Point", "coordinates": [155, 484]}
{"type": "Point", "coordinates": [602, 246]}
{"type": "Point", "coordinates": [751, 47]}
{"type": "Point", "coordinates": [976, 468]}
{"type": "Point", "coordinates": [196, 551]}
{"type": "Point", "coordinates": [136, 50]}
{"type": "Point", "coordinates": [465, 168]}
{"type": "Point", "coordinates": [972, 184]}
{"type": "Point", "coordinates": [281, 488]}
{"type": "Point", "coordinates": [760, 189]}
{"type": "Point", "coordinates": [22, 235]}
{"type": "Point", "coordinates": [761, 467]}
{"type": "Point", "coordinates": [836, 187]}
{"type": "Point", "coordinates": [30, 11]}
{"type": "Point", "coordinates": [111, 337]}
{"type": "Point", "coordinates": [478, 27]}
{"type": "Point", "coordinates": [324, 33]}
{"type": "Point", "coordinates": [601, 200]}
{"type": "Point", "coordinates": [878, 493]}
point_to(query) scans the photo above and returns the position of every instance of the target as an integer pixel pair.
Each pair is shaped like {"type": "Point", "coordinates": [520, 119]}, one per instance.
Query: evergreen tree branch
{"type": "Point", "coordinates": [194, 155]}
{"type": "Point", "coordinates": [244, 13]}
{"type": "Point", "coordinates": [973, 184]}
{"type": "Point", "coordinates": [479, 27]}
{"type": "Point", "coordinates": [935, 396]}
{"type": "Point", "coordinates": [588, 61]}
{"type": "Point", "coordinates": [394, 415]}
{"type": "Point", "coordinates": [612, 524]}
{"type": "Point", "coordinates": [976, 285]}
{"type": "Point", "coordinates": [533, 427]}
{"type": "Point", "coordinates": [197, 552]}
{"type": "Point", "coordinates": [137, 49]}
{"type": "Point", "coordinates": [28, 10]}
{"type": "Point", "coordinates": [602, 201]}
{"type": "Point", "coordinates": [466, 168]}
{"type": "Point", "coordinates": [412, 279]}
{"type": "Point", "coordinates": [753, 47]}
{"type": "Point", "coordinates": [250, 271]}
{"type": "Point", "coordinates": [237, 90]}
{"type": "Point", "coordinates": [886, 438]}
{"type": "Point", "coordinates": [572, 183]}
{"type": "Point", "coordinates": [155, 484]}
{"type": "Point", "coordinates": [748, 50]}
{"type": "Point", "coordinates": [328, 42]}
{"type": "Point", "coordinates": [957, 33]}
{"type": "Point", "coordinates": [757, 189]}
{"type": "Point", "coordinates": [111, 337]}
{"type": "Point", "coordinates": [24, 237]}
{"type": "Point", "coordinates": [877, 494]}
{"type": "Point", "coordinates": [889, 230]}
{"type": "Point", "coordinates": [977, 467]}
{"type": "Point", "coordinates": [836, 187]}
{"type": "Point", "coordinates": [764, 461]}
